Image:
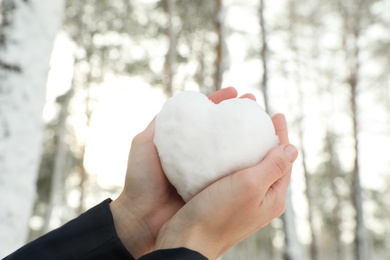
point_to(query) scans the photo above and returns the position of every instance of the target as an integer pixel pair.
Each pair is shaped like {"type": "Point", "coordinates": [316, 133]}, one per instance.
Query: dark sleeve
{"type": "Point", "coordinates": [173, 254]}
{"type": "Point", "coordinates": [90, 236]}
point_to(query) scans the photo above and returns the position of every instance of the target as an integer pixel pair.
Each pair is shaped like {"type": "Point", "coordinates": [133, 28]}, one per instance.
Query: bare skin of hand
{"type": "Point", "coordinates": [236, 206]}
{"type": "Point", "coordinates": [148, 200]}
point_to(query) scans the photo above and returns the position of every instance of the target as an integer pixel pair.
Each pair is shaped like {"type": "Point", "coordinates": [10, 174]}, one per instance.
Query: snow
{"type": "Point", "coordinates": [29, 40]}
{"type": "Point", "coordinates": [199, 142]}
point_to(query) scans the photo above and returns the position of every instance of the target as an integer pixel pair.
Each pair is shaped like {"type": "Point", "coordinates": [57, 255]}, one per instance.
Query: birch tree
{"type": "Point", "coordinates": [57, 192]}
{"type": "Point", "coordinates": [293, 34]}
{"type": "Point", "coordinates": [264, 54]}
{"type": "Point", "coordinates": [196, 35]}
{"type": "Point", "coordinates": [314, 250]}
{"type": "Point", "coordinates": [292, 247]}
{"type": "Point", "coordinates": [170, 60]}
{"type": "Point", "coordinates": [27, 33]}
{"type": "Point", "coordinates": [334, 173]}
{"type": "Point", "coordinates": [219, 49]}
{"type": "Point", "coordinates": [351, 14]}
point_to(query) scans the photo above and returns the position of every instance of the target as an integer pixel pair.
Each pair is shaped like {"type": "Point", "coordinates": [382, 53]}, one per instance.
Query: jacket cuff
{"type": "Point", "coordinates": [90, 236]}
{"type": "Point", "coordinates": [174, 254]}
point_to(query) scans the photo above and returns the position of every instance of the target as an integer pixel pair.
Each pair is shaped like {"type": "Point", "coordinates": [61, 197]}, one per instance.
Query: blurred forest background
{"type": "Point", "coordinates": [112, 63]}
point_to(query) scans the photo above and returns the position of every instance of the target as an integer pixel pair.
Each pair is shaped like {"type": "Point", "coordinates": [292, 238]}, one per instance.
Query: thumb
{"type": "Point", "coordinates": [151, 125]}
{"type": "Point", "coordinates": [276, 164]}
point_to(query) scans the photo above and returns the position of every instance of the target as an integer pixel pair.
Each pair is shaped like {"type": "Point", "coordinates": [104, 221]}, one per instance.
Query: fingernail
{"type": "Point", "coordinates": [291, 151]}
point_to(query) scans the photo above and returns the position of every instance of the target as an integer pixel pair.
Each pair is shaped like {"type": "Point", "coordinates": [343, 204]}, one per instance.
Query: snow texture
{"type": "Point", "coordinates": [199, 142]}
{"type": "Point", "coordinates": [27, 44]}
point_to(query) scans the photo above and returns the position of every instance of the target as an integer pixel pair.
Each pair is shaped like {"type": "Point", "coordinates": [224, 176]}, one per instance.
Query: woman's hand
{"type": "Point", "coordinates": [148, 200]}
{"type": "Point", "coordinates": [235, 206]}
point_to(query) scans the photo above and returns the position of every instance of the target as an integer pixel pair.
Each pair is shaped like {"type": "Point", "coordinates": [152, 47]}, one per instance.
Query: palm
{"type": "Point", "coordinates": [146, 183]}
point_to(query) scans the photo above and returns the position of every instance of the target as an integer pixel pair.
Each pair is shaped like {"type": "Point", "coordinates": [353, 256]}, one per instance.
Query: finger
{"type": "Point", "coordinates": [249, 95]}
{"type": "Point", "coordinates": [281, 185]}
{"type": "Point", "coordinates": [274, 166]}
{"type": "Point", "coordinates": [150, 128]}
{"type": "Point", "coordinates": [225, 93]}
{"type": "Point", "coordinates": [280, 124]}
{"type": "Point", "coordinates": [276, 195]}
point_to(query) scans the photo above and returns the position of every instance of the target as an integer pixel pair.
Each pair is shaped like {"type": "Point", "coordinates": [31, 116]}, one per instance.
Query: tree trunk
{"type": "Point", "coordinates": [314, 251]}
{"type": "Point", "coordinates": [57, 191]}
{"type": "Point", "coordinates": [264, 55]}
{"type": "Point", "coordinates": [27, 33]}
{"type": "Point", "coordinates": [314, 248]}
{"type": "Point", "coordinates": [361, 243]}
{"type": "Point", "coordinates": [351, 35]}
{"type": "Point", "coordinates": [293, 248]}
{"type": "Point", "coordinates": [170, 60]}
{"type": "Point", "coordinates": [219, 49]}
{"type": "Point", "coordinates": [88, 114]}
{"type": "Point", "coordinates": [334, 171]}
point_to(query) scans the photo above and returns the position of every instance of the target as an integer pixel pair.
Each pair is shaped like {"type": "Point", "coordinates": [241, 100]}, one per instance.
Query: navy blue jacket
{"type": "Point", "coordinates": [91, 236]}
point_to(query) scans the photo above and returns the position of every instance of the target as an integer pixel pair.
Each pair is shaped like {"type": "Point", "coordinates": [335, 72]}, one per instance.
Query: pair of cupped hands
{"type": "Point", "coordinates": [150, 215]}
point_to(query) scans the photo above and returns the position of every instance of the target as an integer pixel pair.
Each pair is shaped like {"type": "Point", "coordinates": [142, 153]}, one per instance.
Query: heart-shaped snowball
{"type": "Point", "coordinates": [199, 142]}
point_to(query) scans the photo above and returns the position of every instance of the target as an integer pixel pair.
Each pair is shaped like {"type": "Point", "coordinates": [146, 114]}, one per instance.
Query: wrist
{"type": "Point", "coordinates": [131, 228]}
{"type": "Point", "coordinates": [176, 235]}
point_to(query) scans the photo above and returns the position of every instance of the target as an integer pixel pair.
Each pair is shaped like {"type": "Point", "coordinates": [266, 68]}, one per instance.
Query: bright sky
{"type": "Point", "coordinates": [126, 108]}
